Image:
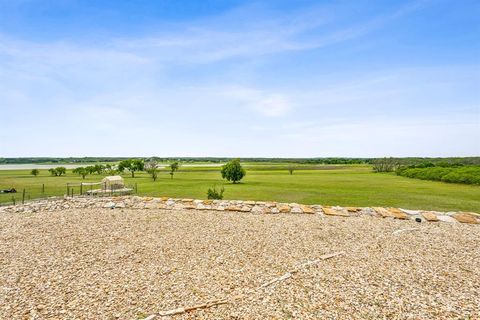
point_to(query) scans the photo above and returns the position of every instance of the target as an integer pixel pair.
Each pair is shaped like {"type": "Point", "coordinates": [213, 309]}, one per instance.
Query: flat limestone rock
{"type": "Point", "coordinates": [352, 209]}
{"type": "Point", "coordinates": [283, 208]}
{"type": "Point", "coordinates": [332, 212]}
{"type": "Point", "coordinates": [397, 213]}
{"type": "Point", "coordinates": [391, 212]}
{"type": "Point", "coordinates": [430, 216]}
{"type": "Point", "coordinates": [307, 209]}
{"type": "Point", "coordinates": [466, 217]}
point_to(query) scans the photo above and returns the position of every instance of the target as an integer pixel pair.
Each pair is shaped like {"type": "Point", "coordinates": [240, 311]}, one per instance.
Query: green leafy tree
{"type": "Point", "coordinates": [61, 170]}
{"type": "Point", "coordinates": [173, 167]}
{"type": "Point", "coordinates": [35, 172]}
{"type": "Point", "coordinates": [82, 171]}
{"type": "Point", "coordinates": [233, 171]}
{"type": "Point", "coordinates": [132, 165]}
{"type": "Point", "coordinates": [98, 168]}
{"type": "Point", "coordinates": [58, 171]}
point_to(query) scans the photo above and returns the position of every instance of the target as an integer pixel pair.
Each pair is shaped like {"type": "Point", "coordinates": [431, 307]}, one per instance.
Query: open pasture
{"type": "Point", "coordinates": [344, 185]}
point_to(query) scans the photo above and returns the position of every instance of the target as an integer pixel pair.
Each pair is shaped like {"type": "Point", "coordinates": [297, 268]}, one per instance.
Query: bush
{"type": "Point", "coordinates": [215, 194]}
{"type": "Point", "coordinates": [233, 171]}
{"type": "Point", "coordinates": [35, 172]}
{"type": "Point", "coordinates": [452, 174]}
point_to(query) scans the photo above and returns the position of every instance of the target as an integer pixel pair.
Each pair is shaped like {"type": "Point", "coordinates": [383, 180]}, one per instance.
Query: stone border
{"type": "Point", "coordinates": [256, 207]}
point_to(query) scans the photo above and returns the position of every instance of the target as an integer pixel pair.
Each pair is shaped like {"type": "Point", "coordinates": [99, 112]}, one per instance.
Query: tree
{"type": "Point", "coordinates": [233, 171]}
{"type": "Point", "coordinates": [152, 168]}
{"type": "Point", "coordinates": [35, 172]}
{"type": "Point", "coordinates": [58, 171]}
{"type": "Point", "coordinates": [384, 164]}
{"type": "Point", "coordinates": [131, 165]}
{"type": "Point", "coordinates": [61, 170]}
{"type": "Point", "coordinates": [291, 169]}
{"type": "Point", "coordinates": [110, 170]}
{"type": "Point", "coordinates": [98, 168]}
{"type": "Point", "coordinates": [83, 171]}
{"type": "Point", "coordinates": [173, 167]}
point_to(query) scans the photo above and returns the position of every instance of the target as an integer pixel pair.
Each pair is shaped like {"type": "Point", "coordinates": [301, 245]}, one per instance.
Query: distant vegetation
{"type": "Point", "coordinates": [317, 160]}
{"type": "Point", "coordinates": [454, 172]}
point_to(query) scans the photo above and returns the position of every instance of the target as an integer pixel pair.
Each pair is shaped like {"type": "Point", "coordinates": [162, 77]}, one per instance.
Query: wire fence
{"type": "Point", "coordinates": [44, 192]}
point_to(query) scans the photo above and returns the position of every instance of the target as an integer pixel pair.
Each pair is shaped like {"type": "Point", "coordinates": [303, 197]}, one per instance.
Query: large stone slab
{"type": "Point", "coordinates": [466, 217]}
{"type": "Point", "coordinates": [391, 213]}
{"type": "Point", "coordinates": [333, 212]}
{"type": "Point", "coordinates": [430, 216]}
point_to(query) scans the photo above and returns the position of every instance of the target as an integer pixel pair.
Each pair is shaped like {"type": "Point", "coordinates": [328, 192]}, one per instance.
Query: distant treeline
{"type": "Point", "coordinates": [58, 160]}
{"type": "Point", "coordinates": [318, 160]}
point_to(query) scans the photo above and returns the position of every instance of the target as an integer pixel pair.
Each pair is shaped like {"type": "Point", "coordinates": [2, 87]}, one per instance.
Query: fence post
{"type": "Point", "coordinates": [13, 200]}
{"type": "Point", "coordinates": [23, 196]}
{"type": "Point", "coordinates": [81, 188]}
{"type": "Point", "coordinates": [43, 188]}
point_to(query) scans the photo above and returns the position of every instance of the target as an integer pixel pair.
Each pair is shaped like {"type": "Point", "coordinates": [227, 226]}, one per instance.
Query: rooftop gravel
{"type": "Point", "coordinates": [129, 264]}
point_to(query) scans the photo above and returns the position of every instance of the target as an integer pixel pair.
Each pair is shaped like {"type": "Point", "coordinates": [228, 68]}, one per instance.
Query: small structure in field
{"type": "Point", "coordinates": [113, 183]}
{"type": "Point", "coordinates": [109, 185]}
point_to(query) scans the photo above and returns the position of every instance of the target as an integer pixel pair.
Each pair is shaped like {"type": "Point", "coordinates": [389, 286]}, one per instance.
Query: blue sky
{"type": "Point", "coordinates": [240, 78]}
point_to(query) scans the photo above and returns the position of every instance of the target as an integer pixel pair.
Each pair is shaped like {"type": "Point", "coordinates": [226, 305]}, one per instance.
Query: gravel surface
{"type": "Point", "coordinates": [128, 264]}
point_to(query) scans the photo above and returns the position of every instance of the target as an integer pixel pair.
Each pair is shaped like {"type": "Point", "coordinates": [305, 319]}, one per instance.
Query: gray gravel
{"type": "Point", "coordinates": [128, 264]}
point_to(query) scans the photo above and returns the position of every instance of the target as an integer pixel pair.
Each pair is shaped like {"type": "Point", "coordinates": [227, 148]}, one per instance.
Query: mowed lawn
{"type": "Point", "coordinates": [326, 185]}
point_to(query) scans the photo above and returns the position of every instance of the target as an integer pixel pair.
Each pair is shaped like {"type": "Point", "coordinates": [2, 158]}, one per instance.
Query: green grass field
{"type": "Point", "coordinates": [354, 185]}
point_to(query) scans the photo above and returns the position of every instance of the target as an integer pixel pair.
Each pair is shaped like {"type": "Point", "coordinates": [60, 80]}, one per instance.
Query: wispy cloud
{"type": "Point", "coordinates": [186, 81]}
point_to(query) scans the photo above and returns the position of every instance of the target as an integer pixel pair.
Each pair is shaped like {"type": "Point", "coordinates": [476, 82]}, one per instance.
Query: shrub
{"type": "Point", "coordinates": [215, 194]}
{"type": "Point", "coordinates": [233, 171]}
{"type": "Point", "coordinates": [35, 172]}
{"type": "Point", "coordinates": [452, 174]}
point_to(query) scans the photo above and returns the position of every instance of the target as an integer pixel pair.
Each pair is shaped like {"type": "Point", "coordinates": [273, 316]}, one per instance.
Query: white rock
{"type": "Point", "coordinates": [446, 218]}
{"type": "Point", "coordinates": [411, 212]}
{"type": "Point", "coordinates": [296, 210]}
{"type": "Point", "coordinates": [257, 209]}
{"type": "Point", "coordinates": [109, 205]}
